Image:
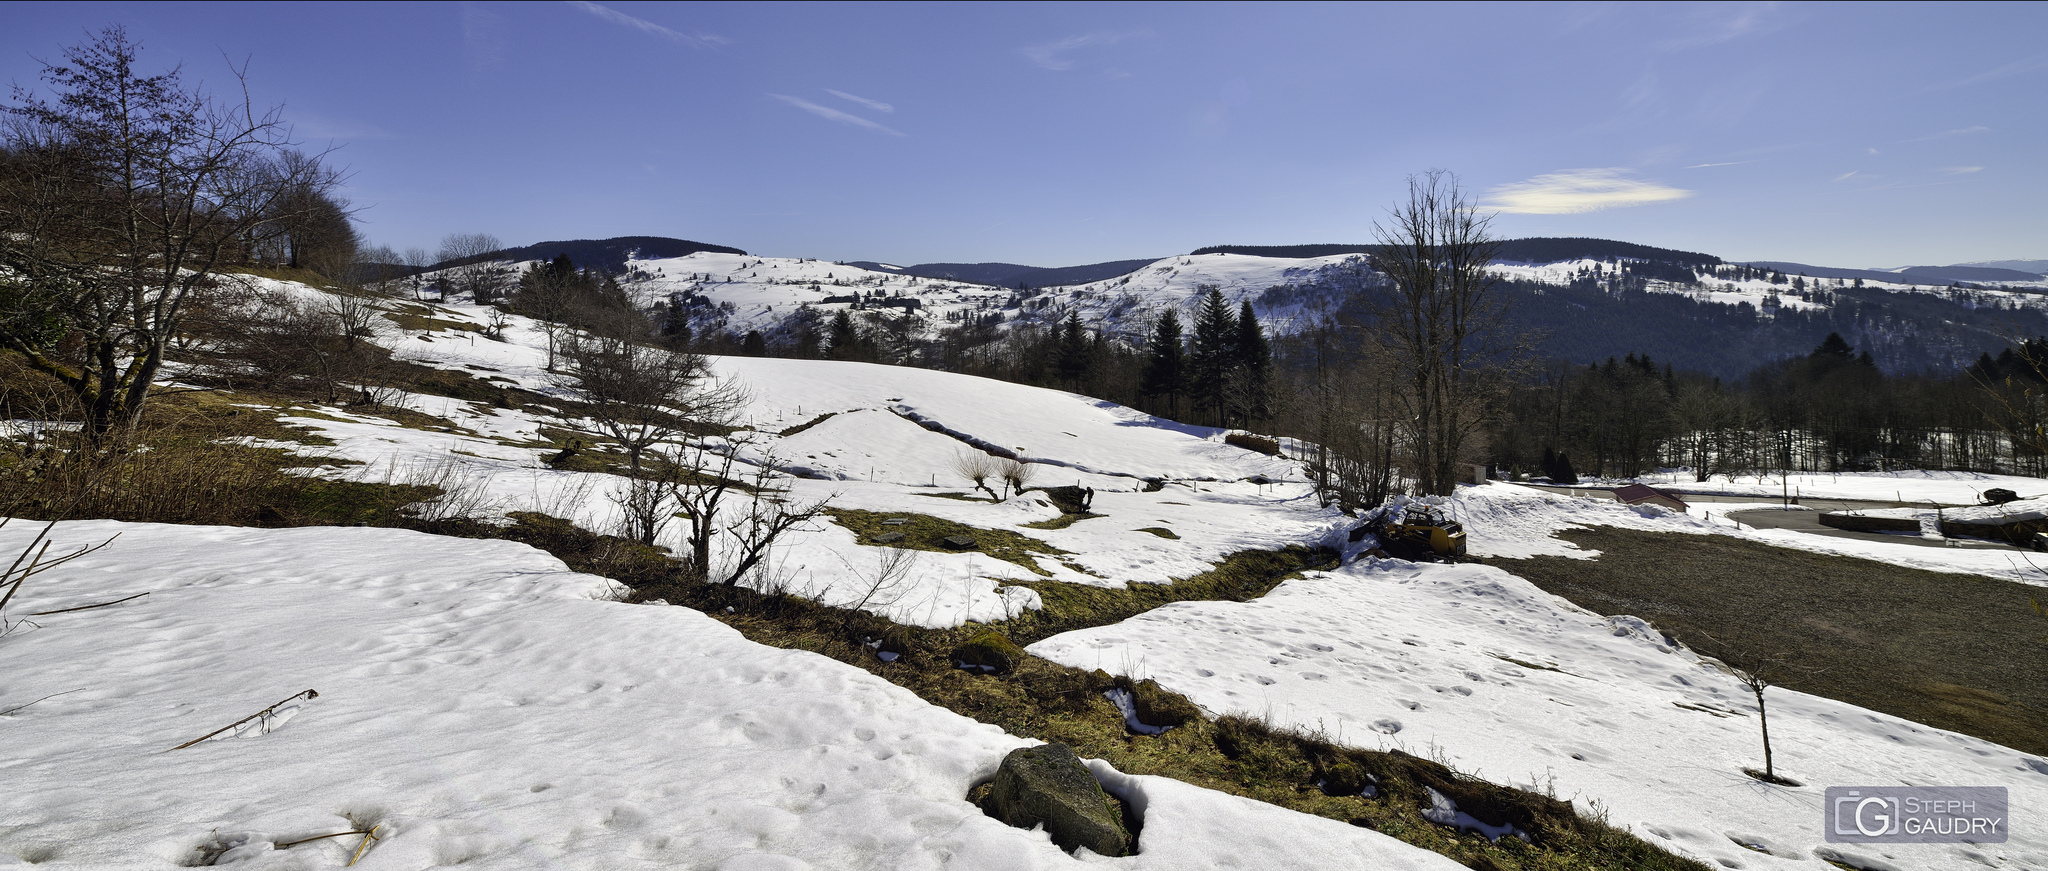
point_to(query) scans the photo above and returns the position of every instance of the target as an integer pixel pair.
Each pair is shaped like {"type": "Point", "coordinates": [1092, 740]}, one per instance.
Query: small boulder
{"type": "Point", "coordinates": [1156, 706]}
{"type": "Point", "coordinates": [888, 538]}
{"type": "Point", "coordinates": [989, 652]}
{"type": "Point", "coordinates": [1047, 785]}
{"type": "Point", "coordinates": [958, 542]}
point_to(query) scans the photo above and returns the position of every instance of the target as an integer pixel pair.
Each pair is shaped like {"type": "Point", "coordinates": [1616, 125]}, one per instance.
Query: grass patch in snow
{"type": "Point", "coordinates": [417, 318]}
{"type": "Point", "coordinates": [1063, 521]}
{"type": "Point", "coordinates": [956, 496]}
{"type": "Point", "coordinates": [1958, 652]}
{"type": "Point", "coordinates": [1044, 700]}
{"type": "Point", "coordinates": [1160, 531]}
{"type": "Point", "coordinates": [807, 424]}
{"type": "Point", "coordinates": [306, 277]}
{"type": "Point", "coordinates": [1239, 577]}
{"type": "Point", "coordinates": [925, 532]}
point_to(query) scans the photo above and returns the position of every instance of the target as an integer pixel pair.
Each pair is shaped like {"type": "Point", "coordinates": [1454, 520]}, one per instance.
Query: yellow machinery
{"type": "Point", "coordinates": [1424, 533]}
{"type": "Point", "coordinates": [1443, 536]}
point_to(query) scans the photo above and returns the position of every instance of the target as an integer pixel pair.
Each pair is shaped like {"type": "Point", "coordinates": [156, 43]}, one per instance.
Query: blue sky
{"type": "Point", "coordinates": [1056, 134]}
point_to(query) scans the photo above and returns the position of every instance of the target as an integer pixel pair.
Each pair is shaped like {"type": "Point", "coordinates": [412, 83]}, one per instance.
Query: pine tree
{"type": "Point", "coordinates": [1214, 353]}
{"type": "Point", "coordinates": [843, 341]}
{"type": "Point", "coordinates": [1252, 395]}
{"type": "Point", "coordinates": [1165, 362]}
{"type": "Point", "coordinates": [1071, 352]}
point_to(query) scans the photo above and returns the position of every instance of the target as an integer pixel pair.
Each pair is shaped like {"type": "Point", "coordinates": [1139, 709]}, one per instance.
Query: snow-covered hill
{"type": "Point", "coordinates": [487, 707]}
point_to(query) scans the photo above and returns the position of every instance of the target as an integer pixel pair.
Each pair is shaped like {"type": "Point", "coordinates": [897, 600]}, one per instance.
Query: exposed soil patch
{"type": "Point", "coordinates": [1959, 652]}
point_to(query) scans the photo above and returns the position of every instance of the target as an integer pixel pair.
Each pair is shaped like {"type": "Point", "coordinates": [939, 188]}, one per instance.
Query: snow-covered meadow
{"type": "Point", "coordinates": [489, 707]}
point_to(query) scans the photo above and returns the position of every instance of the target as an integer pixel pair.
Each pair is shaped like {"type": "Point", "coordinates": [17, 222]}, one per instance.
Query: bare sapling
{"type": "Point", "coordinates": [1015, 474]}
{"type": "Point", "coordinates": [762, 522]}
{"type": "Point", "coordinates": [883, 584]}
{"type": "Point", "coordinates": [977, 467]}
{"type": "Point", "coordinates": [1756, 670]}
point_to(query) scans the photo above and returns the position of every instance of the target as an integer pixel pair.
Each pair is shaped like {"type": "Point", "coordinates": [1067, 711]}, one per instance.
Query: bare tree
{"type": "Point", "coordinates": [470, 267]}
{"type": "Point", "coordinates": [416, 260]}
{"type": "Point", "coordinates": [1757, 670]}
{"type": "Point", "coordinates": [639, 396]}
{"type": "Point", "coordinates": [1015, 474]}
{"type": "Point", "coordinates": [977, 467]}
{"type": "Point", "coordinates": [883, 585]}
{"type": "Point", "coordinates": [119, 200]}
{"type": "Point", "coordinates": [308, 226]}
{"type": "Point", "coordinates": [1440, 319]}
{"type": "Point", "coordinates": [704, 488]}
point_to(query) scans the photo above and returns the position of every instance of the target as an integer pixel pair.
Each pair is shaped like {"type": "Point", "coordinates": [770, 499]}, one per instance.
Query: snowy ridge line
{"type": "Point", "coordinates": [985, 445]}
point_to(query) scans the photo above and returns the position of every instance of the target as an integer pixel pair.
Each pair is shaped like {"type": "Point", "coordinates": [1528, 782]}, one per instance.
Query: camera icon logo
{"type": "Point", "coordinates": [1872, 816]}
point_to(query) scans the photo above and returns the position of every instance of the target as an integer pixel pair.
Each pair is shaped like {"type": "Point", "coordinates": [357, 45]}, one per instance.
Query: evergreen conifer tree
{"type": "Point", "coordinates": [1071, 357]}
{"type": "Point", "coordinates": [842, 342]}
{"type": "Point", "coordinates": [1214, 353]}
{"type": "Point", "coordinates": [1165, 362]}
{"type": "Point", "coordinates": [1252, 378]}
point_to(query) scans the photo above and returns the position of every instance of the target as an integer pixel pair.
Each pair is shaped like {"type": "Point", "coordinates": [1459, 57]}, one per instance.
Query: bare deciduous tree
{"type": "Point", "coordinates": [882, 585]}
{"type": "Point", "coordinates": [119, 200]}
{"type": "Point", "coordinates": [705, 488]}
{"type": "Point", "coordinates": [977, 467]}
{"type": "Point", "coordinates": [1440, 319]}
{"type": "Point", "coordinates": [639, 396]}
{"type": "Point", "coordinates": [1757, 670]}
{"type": "Point", "coordinates": [1015, 474]}
{"type": "Point", "coordinates": [470, 268]}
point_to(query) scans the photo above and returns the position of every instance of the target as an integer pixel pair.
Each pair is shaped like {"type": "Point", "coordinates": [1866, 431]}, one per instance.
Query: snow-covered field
{"type": "Point", "coordinates": [1386, 654]}
{"type": "Point", "coordinates": [1912, 485]}
{"type": "Point", "coordinates": [486, 706]}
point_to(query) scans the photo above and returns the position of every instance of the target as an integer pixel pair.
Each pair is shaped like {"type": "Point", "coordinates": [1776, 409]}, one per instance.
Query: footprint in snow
{"type": "Point", "coordinates": [1264, 680]}
{"type": "Point", "coordinates": [1386, 725]}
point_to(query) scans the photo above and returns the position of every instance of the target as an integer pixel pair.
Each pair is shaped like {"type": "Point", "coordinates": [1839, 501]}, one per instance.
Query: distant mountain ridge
{"type": "Point", "coordinates": [1535, 249]}
{"type": "Point", "coordinates": [1969, 273]}
{"type": "Point", "coordinates": [1908, 275]}
{"type": "Point", "coordinates": [1012, 274]}
{"type": "Point", "coordinates": [609, 255]}
{"type": "Point", "coordinates": [2039, 267]}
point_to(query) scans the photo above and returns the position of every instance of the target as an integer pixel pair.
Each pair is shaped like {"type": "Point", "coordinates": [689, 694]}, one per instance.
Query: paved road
{"type": "Point", "coordinates": [1799, 521]}
{"type": "Point", "coordinates": [1809, 522]}
{"type": "Point", "coordinates": [1698, 498]}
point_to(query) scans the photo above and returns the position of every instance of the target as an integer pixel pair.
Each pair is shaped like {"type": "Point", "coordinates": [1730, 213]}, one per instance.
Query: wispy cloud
{"type": "Point", "coordinates": [1959, 170]}
{"type": "Point", "coordinates": [1729, 163]}
{"type": "Point", "coordinates": [876, 105]}
{"type": "Point", "coordinates": [2023, 65]}
{"type": "Point", "coordinates": [644, 26]}
{"type": "Point", "coordinates": [1571, 191]}
{"type": "Point", "coordinates": [1057, 55]}
{"type": "Point", "coordinates": [830, 114]}
{"type": "Point", "coordinates": [1716, 23]}
{"type": "Point", "coordinates": [1847, 175]}
{"type": "Point", "coordinates": [1946, 134]}
{"type": "Point", "coordinates": [483, 38]}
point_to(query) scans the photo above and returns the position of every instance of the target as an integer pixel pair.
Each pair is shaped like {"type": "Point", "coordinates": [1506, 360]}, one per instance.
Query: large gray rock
{"type": "Point", "coordinates": [1048, 784]}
